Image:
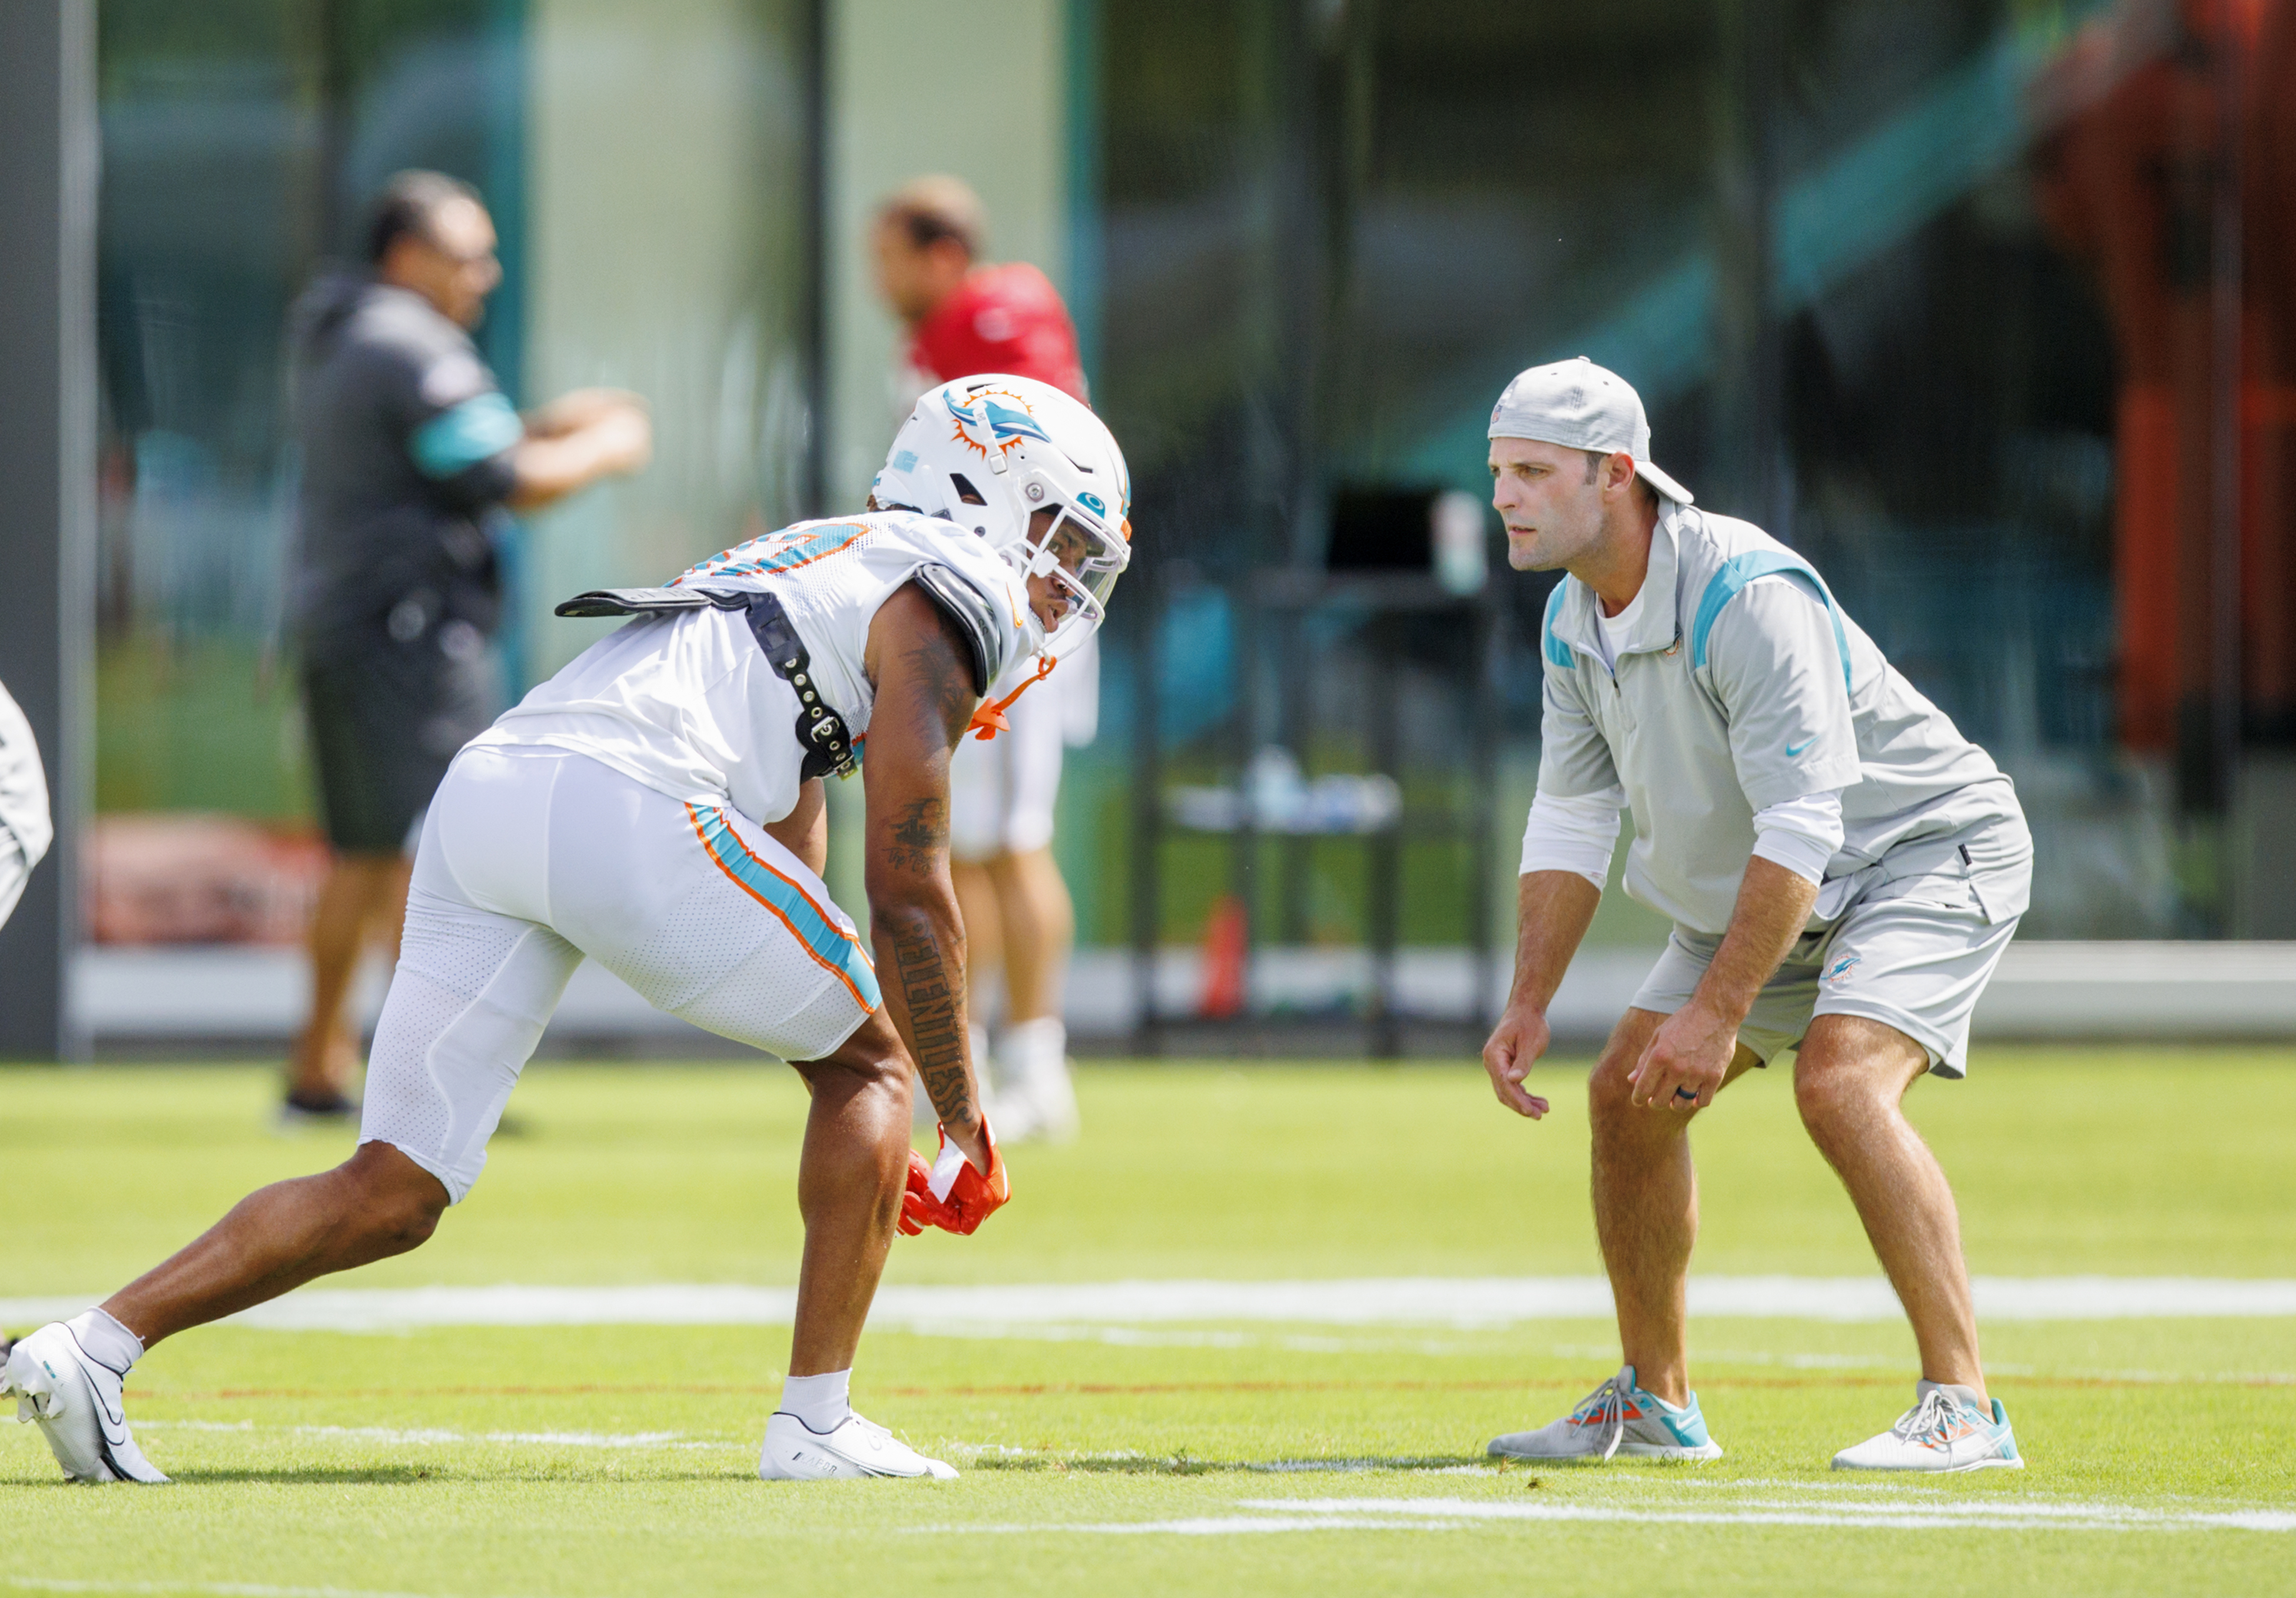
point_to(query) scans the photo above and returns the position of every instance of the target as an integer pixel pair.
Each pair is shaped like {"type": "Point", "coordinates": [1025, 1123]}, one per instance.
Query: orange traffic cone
{"type": "Point", "coordinates": [1226, 935]}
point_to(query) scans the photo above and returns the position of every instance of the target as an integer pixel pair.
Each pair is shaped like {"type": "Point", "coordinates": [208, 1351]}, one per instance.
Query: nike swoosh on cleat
{"type": "Point", "coordinates": [103, 1410]}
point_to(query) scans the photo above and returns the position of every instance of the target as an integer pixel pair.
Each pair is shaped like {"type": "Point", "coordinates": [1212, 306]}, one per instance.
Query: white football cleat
{"type": "Point", "coordinates": [1943, 1431]}
{"type": "Point", "coordinates": [76, 1402]}
{"type": "Point", "coordinates": [1617, 1420]}
{"type": "Point", "coordinates": [795, 1452]}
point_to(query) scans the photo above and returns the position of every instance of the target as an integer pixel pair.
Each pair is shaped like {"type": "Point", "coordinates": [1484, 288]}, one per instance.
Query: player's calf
{"type": "Point", "coordinates": [376, 1204]}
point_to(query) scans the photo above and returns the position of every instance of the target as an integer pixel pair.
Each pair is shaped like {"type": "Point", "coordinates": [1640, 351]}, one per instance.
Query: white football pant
{"type": "Point", "coordinates": [1001, 793]}
{"type": "Point", "coordinates": [532, 858]}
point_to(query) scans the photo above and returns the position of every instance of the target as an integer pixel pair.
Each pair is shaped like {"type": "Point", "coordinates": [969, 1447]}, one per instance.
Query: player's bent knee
{"type": "Point", "coordinates": [394, 1202]}
{"type": "Point", "coordinates": [872, 1058]}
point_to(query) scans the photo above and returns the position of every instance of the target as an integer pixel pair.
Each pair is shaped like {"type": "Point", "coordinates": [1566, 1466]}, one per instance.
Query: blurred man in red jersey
{"type": "Point", "coordinates": [966, 317]}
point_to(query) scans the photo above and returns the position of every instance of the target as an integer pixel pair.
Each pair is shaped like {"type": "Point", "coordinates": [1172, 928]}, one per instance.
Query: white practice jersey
{"type": "Point", "coordinates": [686, 703]}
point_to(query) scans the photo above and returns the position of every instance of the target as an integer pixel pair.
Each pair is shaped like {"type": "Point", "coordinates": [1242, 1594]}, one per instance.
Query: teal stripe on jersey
{"type": "Point", "coordinates": [784, 550]}
{"type": "Point", "coordinates": [1558, 653]}
{"type": "Point", "coordinates": [459, 438]}
{"type": "Point", "coordinates": [825, 941]}
{"type": "Point", "coordinates": [1741, 570]}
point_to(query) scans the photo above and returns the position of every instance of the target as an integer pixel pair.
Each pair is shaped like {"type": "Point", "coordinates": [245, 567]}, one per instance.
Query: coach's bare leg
{"type": "Point", "coordinates": [1038, 921]}
{"type": "Point", "coordinates": [363, 900]}
{"type": "Point", "coordinates": [1647, 1208]}
{"type": "Point", "coordinates": [376, 1204]}
{"type": "Point", "coordinates": [848, 1188]}
{"type": "Point", "coordinates": [1850, 1080]}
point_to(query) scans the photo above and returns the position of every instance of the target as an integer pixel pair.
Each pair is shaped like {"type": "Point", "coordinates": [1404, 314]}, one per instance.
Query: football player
{"type": "Point", "coordinates": [657, 807]}
{"type": "Point", "coordinates": [963, 316]}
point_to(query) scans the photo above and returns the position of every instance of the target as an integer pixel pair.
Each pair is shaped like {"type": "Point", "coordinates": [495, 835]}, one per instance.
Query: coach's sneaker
{"type": "Point", "coordinates": [74, 1397]}
{"type": "Point", "coordinates": [1618, 1418]}
{"type": "Point", "coordinates": [1947, 1429]}
{"type": "Point", "coordinates": [796, 1452]}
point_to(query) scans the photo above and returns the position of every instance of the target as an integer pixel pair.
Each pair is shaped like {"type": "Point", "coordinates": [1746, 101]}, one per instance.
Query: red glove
{"type": "Point", "coordinates": [951, 1194]}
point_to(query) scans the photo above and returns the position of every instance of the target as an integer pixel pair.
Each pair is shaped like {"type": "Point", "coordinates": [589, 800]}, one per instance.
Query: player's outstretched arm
{"type": "Point", "coordinates": [1554, 909]}
{"type": "Point", "coordinates": [924, 699]}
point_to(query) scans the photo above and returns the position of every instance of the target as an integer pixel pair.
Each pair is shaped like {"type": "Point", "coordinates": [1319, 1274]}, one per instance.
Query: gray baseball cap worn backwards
{"type": "Point", "coordinates": [1581, 405]}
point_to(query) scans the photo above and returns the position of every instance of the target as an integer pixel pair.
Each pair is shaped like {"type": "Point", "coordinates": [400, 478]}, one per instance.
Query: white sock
{"type": "Point", "coordinates": [1038, 1049]}
{"type": "Point", "coordinates": [822, 1402]}
{"type": "Point", "coordinates": [106, 1341]}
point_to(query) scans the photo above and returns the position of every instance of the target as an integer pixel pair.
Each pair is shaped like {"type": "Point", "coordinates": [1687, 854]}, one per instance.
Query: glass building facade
{"type": "Point", "coordinates": [1982, 304]}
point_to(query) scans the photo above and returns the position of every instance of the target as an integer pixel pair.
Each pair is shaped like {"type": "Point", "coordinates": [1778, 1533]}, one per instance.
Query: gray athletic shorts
{"type": "Point", "coordinates": [1913, 948]}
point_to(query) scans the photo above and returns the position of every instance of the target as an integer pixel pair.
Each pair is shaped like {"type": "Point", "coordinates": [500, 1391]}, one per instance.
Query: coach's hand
{"type": "Point", "coordinates": [953, 1193]}
{"type": "Point", "coordinates": [1518, 1041]}
{"type": "Point", "coordinates": [1686, 1060]}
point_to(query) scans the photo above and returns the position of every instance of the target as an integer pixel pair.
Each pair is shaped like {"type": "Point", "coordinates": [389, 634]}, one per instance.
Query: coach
{"type": "Point", "coordinates": [410, 452]}
{"type": "Point", "coordinates": [1842, 868]}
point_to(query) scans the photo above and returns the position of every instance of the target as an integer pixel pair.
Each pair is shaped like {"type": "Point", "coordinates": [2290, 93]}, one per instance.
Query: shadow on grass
{"type": "Point", "coordinates": [1182, 1464]}
{"type": "Point", "coordinates": [313, 1475]}
{"type": "Point", "coordinates": [411, 1475]}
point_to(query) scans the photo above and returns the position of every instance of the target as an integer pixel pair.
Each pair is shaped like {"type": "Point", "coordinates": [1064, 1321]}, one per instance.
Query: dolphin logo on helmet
{"type": "Point", "coordinates": [1043, 451]}
{"type": "Point", "coordinates": [985, 425]}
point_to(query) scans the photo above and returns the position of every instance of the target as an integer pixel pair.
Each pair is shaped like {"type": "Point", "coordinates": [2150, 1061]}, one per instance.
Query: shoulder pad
{"type": "Point", "coordinates": [647, 601]}
{"type": "Point", "coordinates": [976, 623]}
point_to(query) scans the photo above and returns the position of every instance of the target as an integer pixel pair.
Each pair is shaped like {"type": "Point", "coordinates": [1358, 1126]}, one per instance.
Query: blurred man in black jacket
{"type": "Point", "coordinates": [411, 453]}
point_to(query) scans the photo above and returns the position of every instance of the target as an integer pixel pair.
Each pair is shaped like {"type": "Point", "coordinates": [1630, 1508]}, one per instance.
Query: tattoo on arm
{"type": "Point", "coordinates": [919, 838]}
{"type": "Point", "coordinates": [923, 706]}
{"type": "Point", "coordinates": [931, 978]}
{"type": "Point", "coordinates": [944, 680]}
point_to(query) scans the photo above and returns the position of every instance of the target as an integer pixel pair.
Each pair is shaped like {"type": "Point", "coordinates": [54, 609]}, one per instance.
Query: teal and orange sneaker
{"type": "Point", "coordinates": [1947, 1429]}
{"type": "Point", "coordinates": [1617, 1420]}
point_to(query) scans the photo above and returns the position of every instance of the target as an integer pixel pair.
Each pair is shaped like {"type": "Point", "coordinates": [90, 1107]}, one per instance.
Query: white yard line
{"type": "Point", "coordinates": [2020, 1513]}
{"type": "Point", "coordinates": [1090, 1310]}
{"type": "Point", "coordinates": [1455, 1514]}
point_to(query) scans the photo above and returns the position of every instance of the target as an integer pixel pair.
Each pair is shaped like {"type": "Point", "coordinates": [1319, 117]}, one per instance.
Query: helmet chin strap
{"type": "Point", "coordinates": [988, 720]}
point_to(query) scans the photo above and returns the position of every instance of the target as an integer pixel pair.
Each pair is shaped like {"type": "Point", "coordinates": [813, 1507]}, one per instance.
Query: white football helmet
{"type": "Point", "coordinates": [989, 451]}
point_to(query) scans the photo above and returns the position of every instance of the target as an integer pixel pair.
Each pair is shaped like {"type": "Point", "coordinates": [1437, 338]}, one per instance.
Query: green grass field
{"type": "Point", "coordinates": [1253, 1457]}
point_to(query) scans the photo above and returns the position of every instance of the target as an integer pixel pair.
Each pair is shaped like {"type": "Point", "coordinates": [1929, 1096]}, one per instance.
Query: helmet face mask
{"type": "Point", "coordinates": [989, 454]}
{"type": "Point", "coordinates": [1080, 564]}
